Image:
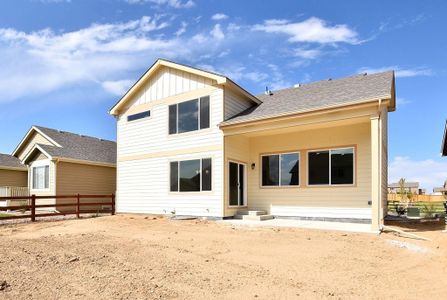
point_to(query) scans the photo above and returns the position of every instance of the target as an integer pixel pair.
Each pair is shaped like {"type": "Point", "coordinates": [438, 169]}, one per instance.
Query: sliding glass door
{"type": "Point", "coordinates": [236, 184]}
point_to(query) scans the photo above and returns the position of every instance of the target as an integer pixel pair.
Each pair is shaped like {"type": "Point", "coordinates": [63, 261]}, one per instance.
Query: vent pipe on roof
{"type": "Point", "coordinates": [267, 91]}
{"type": "Point", "coordinates": [297, 85]}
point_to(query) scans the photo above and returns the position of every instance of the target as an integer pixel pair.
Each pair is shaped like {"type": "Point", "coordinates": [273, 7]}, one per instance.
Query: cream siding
{"type": "Point", "coordinates": [308, 201]}
{"type": "Point", "coordinates": [52, 182]}
{"type": "Point", "coordinates": [35, 138]}
{"type": "Point", "coordinates": [169, 82]}
{"type": "Point", "coordinates": [384, 169]}
{"type": "Point", "coordinates": [144, 151]}
{"type": "Point", "coordinates": [13, 178]}
{"type": "Point", "coordinates": [235, 104]}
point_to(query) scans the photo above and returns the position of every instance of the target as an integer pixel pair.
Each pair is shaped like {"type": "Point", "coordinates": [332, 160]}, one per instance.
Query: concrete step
{"type": "Point", "coordinates": [253, 217]}
{"type": "Point", "coordinates": [251, 212]}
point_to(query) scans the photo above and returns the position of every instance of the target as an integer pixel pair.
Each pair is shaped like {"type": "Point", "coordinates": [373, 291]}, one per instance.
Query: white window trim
{"type": "Point", "coordinates": [198, 116]}
{"type": "Point", "coordinates": [238, 190]}
{"type": "Point", "coordinates": [280, 185]}
{"type": "Point", "coordinates": [178, 176]}
{"type": "Point", "coordinates": [354, 175]}
{"type": "Point", "coordinates": [40, 163]}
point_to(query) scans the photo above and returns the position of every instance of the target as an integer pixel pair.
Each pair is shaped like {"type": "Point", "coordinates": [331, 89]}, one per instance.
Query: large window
{"type": "Point", "coordinates": [280, 169]}
{"type": "Point", "coordinates": [190, 175]}
{"type": "Point", "coordinates": [189, 115]}
{"type": "Point", "coordinates": [331, 167]}
{"type": "Point", "coordinates": [41, 177]}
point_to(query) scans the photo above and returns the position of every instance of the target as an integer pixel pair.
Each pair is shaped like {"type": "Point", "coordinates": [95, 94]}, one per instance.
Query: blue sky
{"type": "Point", "coordinates": [65, 63]}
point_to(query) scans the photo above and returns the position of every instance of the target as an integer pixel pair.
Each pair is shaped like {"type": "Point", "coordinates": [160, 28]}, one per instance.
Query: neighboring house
{"type": "Point", "coordinates": [192, 142]}
{"type": "Point", "coordinates": [410, 187]}
{"type": "Point", "coordinates": [64, 163]}
{"type": "Point", "coordinates": [444, 142]}
{"type": "Point", "coordinates": [13, 176]}
{"type": "Point", "coordinates": [441, 190]}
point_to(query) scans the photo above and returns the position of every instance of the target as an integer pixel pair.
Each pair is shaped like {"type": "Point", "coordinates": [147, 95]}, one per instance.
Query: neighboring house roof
{"type": "Point", "coordinates": [10, 162]}
{"type": "Point", "coordinates": [220, 79]}
{"type": "Point", "coordinates": [407, 185]}
{"type": "Point", "coordinates": [324, 94]}
{"type": "Point", "coordinates": [76, 147]}
{"type": "Point", "coordinates": [444, 142]}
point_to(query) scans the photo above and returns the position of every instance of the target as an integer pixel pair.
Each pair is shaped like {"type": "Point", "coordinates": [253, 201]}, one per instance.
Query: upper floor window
{"type": "Point", "coordinates": [331, 167]}
{"type": "Point", "coordinates": [141, 115]}
{"type": "Point", "coordinates": [189, 115]}
{"type": "Point", "coordinates": [41, 177]}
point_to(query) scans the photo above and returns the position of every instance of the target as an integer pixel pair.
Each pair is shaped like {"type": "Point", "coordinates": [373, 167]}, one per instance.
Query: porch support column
{"type": "Point", "coordinates": [376, 194]}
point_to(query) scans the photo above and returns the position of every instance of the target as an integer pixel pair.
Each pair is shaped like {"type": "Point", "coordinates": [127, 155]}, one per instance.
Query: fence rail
{"type": "Point", "coordinates": [77, 204]}
{"type": "Point", "coordinates": [417, 198]}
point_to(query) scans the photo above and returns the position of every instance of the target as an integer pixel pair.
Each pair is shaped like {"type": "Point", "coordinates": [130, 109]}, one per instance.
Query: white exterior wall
{"type": "Point", "coordinates": [144, 151]}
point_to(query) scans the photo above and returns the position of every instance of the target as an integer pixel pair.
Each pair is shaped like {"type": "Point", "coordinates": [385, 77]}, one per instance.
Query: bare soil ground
{"type": "Point", "coordinates": [143, 257]}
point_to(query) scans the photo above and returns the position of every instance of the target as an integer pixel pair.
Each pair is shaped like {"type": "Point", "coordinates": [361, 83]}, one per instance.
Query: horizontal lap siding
{"type": "Point", "coordinates": [13, 178]}
{"type": "Point", "coordinates": [235, 104]}
{"type": "Point", "coordinates": [144, 151]}
{"type": "Point", "coordinates": [291, 201]}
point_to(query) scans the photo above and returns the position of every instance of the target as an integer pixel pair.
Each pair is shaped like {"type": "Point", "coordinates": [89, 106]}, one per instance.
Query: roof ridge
{"type": "Point", "coordinates": [73, 133]}
{"type": "Point", "coordinates": [330, 80]}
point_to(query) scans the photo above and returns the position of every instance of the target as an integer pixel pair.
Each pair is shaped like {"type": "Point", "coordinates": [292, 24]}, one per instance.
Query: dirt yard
{"type": "Point", "coordinates": [143, 257]}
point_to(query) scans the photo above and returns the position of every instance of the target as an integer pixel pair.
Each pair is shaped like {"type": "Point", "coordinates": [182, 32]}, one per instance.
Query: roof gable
{"type": "Point", "coordinates": [195, 77]}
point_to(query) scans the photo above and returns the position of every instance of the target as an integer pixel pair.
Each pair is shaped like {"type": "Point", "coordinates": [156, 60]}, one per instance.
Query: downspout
{"type": "Point", "coordinates": [380, 203]}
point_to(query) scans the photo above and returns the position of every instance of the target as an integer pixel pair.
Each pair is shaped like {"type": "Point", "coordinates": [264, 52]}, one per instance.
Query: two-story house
{"type": "Point", "coordinates": [192, 142]}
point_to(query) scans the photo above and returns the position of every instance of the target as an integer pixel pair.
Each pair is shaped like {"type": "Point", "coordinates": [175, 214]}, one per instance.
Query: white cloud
{"type": "Point", "coordinates": [307, 53]}
{"type": "Point", "coordinates": [429, 173]}
{"type": "Point", "coordinates": [312, 30]}
{"type": "Point", "coordinates": [182, 29]}
{"type": "Point", "coordinates": [171, 3]}
{"type": "Point", "coordinates": [402, 101]}
{"type": "Point", "coordinates": [117, 87]}
{"type": "Point", "coordinates": [217, 32]}
{"type": "Point", "coordinates": [219, 17]}
{"type": "Point", "coordinates": [399, 72]}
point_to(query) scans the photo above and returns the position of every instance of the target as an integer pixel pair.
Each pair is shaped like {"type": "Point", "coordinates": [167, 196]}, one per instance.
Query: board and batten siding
{"type": "Point", "coordinates": [169, 82]}
{"type": "Point", "coordinates": [235, 104]}
{"type": "Point", "coordinates": [145, 149]}
{"type": "Point", "coordinates": [308, 201]}
{"type": "Point", "coordinates": [13, 178]}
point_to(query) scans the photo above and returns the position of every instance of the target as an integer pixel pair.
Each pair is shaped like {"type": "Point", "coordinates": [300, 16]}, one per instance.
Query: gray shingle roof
{"type": "Point", "coordinates": [407, 185]}
{"type": "Point", "coordinates": [10, 161]}
{"type": "Point", "coordinates": [79, 147]}
{"type": "Point", "coordinates": [318, 95]}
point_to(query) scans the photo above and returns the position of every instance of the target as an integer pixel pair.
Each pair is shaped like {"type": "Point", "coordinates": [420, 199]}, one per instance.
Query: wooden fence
{"type": "Point", "coordinates": [418, 198]}
{"type": "Point", "coordinates": [77, 205]}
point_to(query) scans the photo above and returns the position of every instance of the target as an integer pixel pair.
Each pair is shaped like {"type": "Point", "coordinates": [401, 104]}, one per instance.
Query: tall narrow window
{"type": "Point", "coordinates": [206, 174]}
{"type": "Point", "coordinates": [319, 167]}
{"type": "Point", "coordinates": [204, 112]}
{"type": "Point", "coordinates": [342, 166]}
{"type": "Point", "coordinates": [172, 119]}
{"type": "Point", "coordinates": [174, 176]}
{"type": "Point", "coordinates": [280, 169]}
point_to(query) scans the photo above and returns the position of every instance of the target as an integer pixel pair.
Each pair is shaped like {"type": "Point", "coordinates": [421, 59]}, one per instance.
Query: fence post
{"type": "Point", "coordinates": [113, 204]}
{"type": "Point", "coordinates": [33, 208]}
{"type": "Point", "coordinates": [78, 205]}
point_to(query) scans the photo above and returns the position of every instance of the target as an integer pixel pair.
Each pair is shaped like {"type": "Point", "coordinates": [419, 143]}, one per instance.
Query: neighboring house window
{"type": "Point", "coordinates": [190, 175]}
{"type": "Point", "coordinates": [189, 115]}
{"type": "Point", "coordinates": [141, 115]}
{"type": "Point", "coordinates": [280, 169]}
{"type": "Point", "coordinates": [331, 167]}
{"type": "Point", "coordinates": [41, 177]}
